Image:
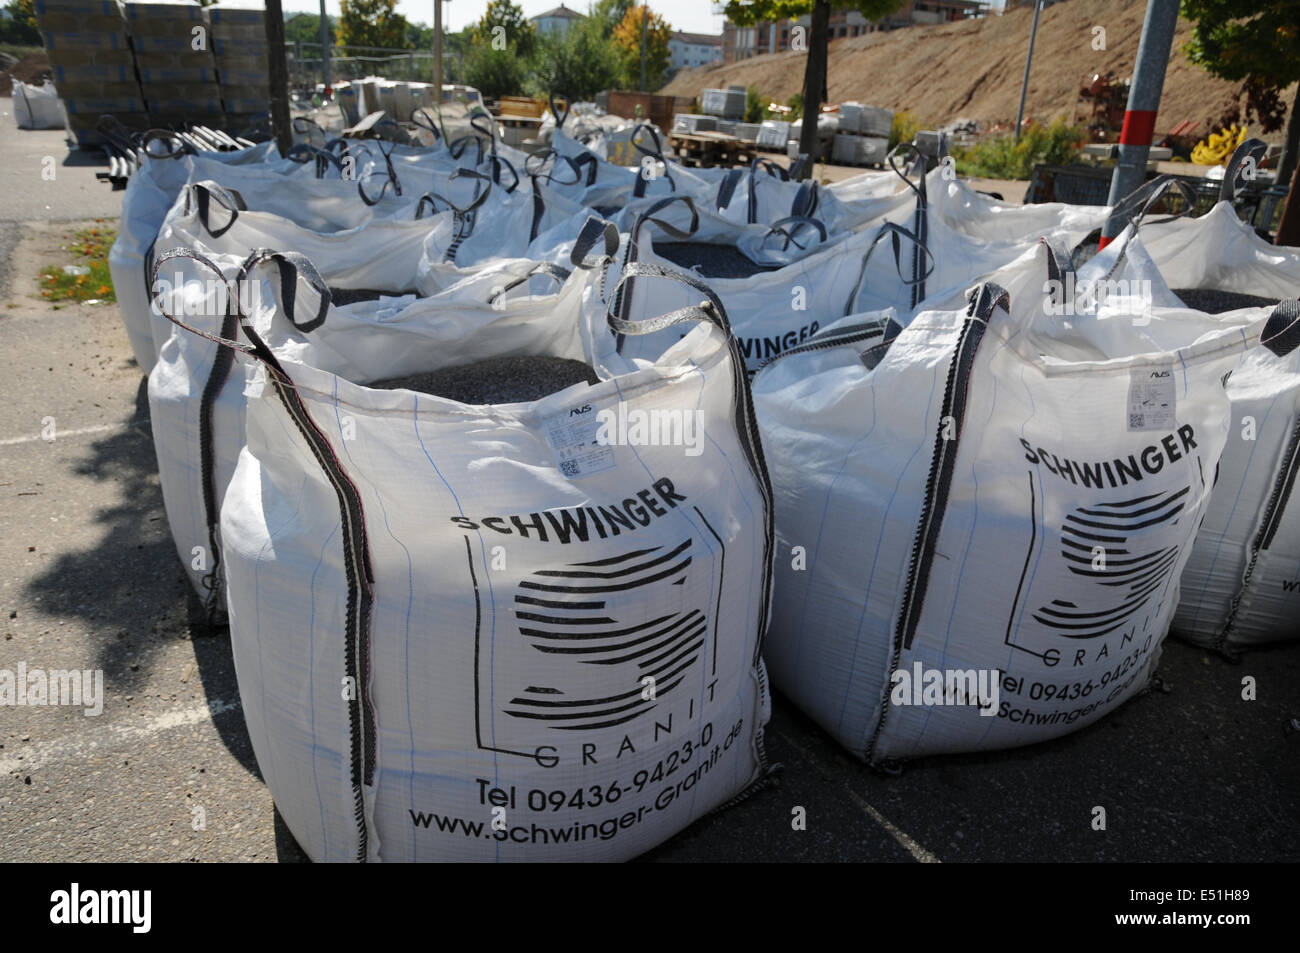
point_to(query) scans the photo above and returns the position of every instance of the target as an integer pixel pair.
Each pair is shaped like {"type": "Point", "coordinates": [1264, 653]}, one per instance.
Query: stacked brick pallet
{"type": "Point", "coordinates": [173, 56]}
{"type": "Point", "coordinates": [863, 136]}
{"type": "Point", "coordinates": [239, 47]}
{"type": "Point", "coordinates": [155, 63]}
{"type": "Point", "coordinates": [90, 56]}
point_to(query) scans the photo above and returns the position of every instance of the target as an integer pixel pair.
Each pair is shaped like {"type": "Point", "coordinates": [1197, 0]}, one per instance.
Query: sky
{"type": "Point", "coordinates": [693, 16]}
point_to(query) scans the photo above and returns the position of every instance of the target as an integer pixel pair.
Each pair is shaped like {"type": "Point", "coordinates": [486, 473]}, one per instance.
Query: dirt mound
{"type": "Point", "coordinates": [973, 68]}
{"type": "Point", "coordinates": [32, 68]}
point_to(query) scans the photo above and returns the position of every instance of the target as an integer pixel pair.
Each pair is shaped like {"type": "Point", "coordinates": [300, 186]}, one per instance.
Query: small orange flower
{"type": "Point", "coordinates": [103, 290]}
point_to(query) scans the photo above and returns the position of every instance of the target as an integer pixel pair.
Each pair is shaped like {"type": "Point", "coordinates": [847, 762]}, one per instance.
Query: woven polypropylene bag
{"type": "Point", "coordinates": [150, 192]}
{"type": "Point", "coordinates": [196, 390]}
{"type": "Point", "coordinates": [1003, 495]}
{"type": "Point", "coordinates": [444, 616]}
{"type": "Point", "coordinates": [1241, 586]}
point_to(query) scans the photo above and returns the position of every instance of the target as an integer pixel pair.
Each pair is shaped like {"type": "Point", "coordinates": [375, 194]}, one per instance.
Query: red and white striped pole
{"type": "Point", "coordinates": [1143, 102]}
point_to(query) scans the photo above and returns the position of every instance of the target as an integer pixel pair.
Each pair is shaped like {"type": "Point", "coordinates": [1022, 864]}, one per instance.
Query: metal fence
{"type": "Point", "coordinates": [357, 62]}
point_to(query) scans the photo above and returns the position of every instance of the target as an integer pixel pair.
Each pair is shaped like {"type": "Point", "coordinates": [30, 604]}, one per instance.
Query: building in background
{"type": "Point", "coordinates": [557, 21]}
{"type": "Point", "coordinates": [739, 42]}
{"type": "Point", "coordinates": [689, 50]}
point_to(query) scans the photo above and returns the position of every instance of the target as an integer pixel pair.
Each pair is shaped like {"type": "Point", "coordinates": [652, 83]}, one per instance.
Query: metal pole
{"type": "Point", "coordinates": [278, 76]}
{"type": "Point", "coordinates": [1029, 58]}
{"type": "Point", "coordinates": [437, 51]}
{"type": "Point", "coordinates": [324, 47]}
{"type": "Point", "coordinates": [1143, 101]}
{"type": "Point", "coordinates": [645, 22]}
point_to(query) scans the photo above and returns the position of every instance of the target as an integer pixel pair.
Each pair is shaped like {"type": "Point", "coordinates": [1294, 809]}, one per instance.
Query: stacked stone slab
{"type": "Point", "coordinates": [174, 59]}
{"type": "Point", "coordinates": [863, 134]}
{"type": "Point", "coordinates": [239, 48]}
{"type": "Point", "coordinates": [90, 57]}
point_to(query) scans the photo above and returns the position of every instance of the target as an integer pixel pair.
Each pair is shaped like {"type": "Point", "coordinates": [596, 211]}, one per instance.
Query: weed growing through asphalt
{"type": "Point", "coordinates": [86, 277]}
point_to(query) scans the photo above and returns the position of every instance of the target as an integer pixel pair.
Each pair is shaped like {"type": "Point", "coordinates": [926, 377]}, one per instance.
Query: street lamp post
{"type": "Point", "coordinates": [437, 49]}
{"type": "Point", "coordinates": [645, 21]}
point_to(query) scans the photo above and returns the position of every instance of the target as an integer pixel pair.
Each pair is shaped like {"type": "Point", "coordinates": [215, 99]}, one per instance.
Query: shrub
{"type": "Point", "coordinates": [904, 127]}
{"type": "Point", "coordinates": [1001, 157]}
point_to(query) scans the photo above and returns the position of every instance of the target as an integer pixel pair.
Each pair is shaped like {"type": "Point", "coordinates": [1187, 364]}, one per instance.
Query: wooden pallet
{"type": "Point", "coordinates": [709, 149]}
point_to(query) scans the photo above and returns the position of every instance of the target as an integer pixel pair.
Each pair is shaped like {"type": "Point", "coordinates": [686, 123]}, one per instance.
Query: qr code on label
{"type": "Point", "coordinates": [1136, 420]}
{"type": "Point", "coordinates": [569, 467]}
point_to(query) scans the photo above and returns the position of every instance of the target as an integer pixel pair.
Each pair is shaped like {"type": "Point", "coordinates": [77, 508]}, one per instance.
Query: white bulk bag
{"type": "Point", "coordinates": [37, 107]}
{"type": "Point", "coordinates": [998, 503]}
{"type": "Point", "coordinates": [196, 390]}
{"type": "Point", "coordinates": [1240, 585]}
{"type": "Point", "coordinates": [448, 617]}
{"type": "Point", "coordinates": [763, 194]}
{"type": "Point", "coordinates": [604, 185]}
{"type": "Point", "coordinates": [382, 255]}
{"type": "Point", "coordinates": [982, 216]}
{"type": "Point", "coordinates": [149, 193]}
{"type": "Point", "coordinates": [777, 310]}
{"type": "Point", "coordinates": [474, 221]}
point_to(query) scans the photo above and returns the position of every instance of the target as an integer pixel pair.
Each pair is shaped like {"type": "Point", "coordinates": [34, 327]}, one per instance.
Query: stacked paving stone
{"type": "Point", "coordinates": [174, 59]}
{"type": "Point", "coordinates": [239, 47]}
{"type": "Point", "coordinates": [90, 57]}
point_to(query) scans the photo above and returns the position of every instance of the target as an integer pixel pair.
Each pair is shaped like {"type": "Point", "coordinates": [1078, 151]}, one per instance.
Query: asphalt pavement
{"type": "Point", "coordinates": [89, 579]}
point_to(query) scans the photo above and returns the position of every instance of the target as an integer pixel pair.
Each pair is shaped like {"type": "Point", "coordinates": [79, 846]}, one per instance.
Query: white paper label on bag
{"type": "Point", "coordinates": [572, 439]}
{"type": "Point", "coordinates": [1151, 401]}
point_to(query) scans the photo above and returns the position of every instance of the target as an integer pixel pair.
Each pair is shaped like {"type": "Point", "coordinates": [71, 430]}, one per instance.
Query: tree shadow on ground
{"type": "Point", "coordinates": [129, 588]}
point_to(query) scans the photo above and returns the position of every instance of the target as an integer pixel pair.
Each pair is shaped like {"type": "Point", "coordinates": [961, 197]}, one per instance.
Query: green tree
{"type": "Point", "coordinates": [1256, 42]}
{"type": "Point", "coordinates": [604, 16]}
{"type": "Point", "coordinates": [515, 32]}
{"type": "Point", "coordinates": [580, 62]}
{"type": "Point", "coordinates": [18, 24]}
{"type": "Point", "coordinates": [494, 73]}
{"type": "Point", "coordinates": [750, 12]}
{"type": "Point", "coordinates": [627, 37]}
{"type": "Point", "coordinates": [305, 28]}
{"type": "Point", "coordinates": [371, 23]}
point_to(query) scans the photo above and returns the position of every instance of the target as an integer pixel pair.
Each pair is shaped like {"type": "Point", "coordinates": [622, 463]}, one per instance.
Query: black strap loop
{"type": "Point", "coordinates": [710, 310]}
{"type": "Point", "coordinates": [304, 152]}
{"type": "Point", "coordinates": [561, 275]}
{"type": "Point", "coordinates": [593, 230]}
{"type": "Point", "coordinates": [764, 164]}
{"type": "Point", "coordinates": [1281, 332]}
{"type": "Point", "coordinates": [423, 114]}
{"type": "Point", "coordinates": [203, 194]}
{"type": "Point", "coordinates": [649, 216]}
{"type": "Point", "coordinates": [1233, 180]}
{"type": "Point", "coordinates": [501, 162]}
{"type": "Point", "coordinates": [291, 266]}
{"type": "Point", "coordinates": [910, 168]}
{"type": "Point", "coordinates": [790, 226]}
{"type": "Point", "coordinates": [457, 148]}
{"type": "Point", "coordinates": [1060, 269]}
{"type": "Point", "coordinates": [485, 124]}
{"type": "Point", "coordinates": [896, 233]}
{"type": "Point", "coordinates": [391, 179]}
{"type": "Point", "coordinates": [560, 120]}
{"type": "Point", "coordinates": [807, 200]}
{"type": "Point", "coordinates": [727, 188]}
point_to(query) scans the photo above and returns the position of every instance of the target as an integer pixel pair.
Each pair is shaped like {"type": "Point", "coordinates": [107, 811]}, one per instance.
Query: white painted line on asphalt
{"type": "Point", "coordinates": [919, 853]}
{"type": "Point", "coordinates": [84, 431]}
{"type": "Point", "coordinates": [82, 746]}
